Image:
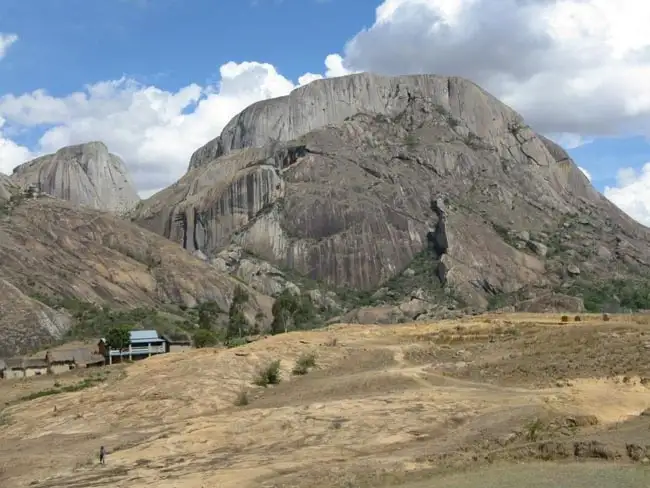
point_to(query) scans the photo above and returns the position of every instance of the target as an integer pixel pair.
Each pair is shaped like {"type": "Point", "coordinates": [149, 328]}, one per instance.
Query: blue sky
{"type": "Point", "coordinates": [171, 56]}
{"type": "Point", "coordinates": [67, 43]}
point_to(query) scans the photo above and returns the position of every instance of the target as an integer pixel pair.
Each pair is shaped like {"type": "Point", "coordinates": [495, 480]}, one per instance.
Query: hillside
{"type": "Point", "coordinates": [414, 193]}
{"type": "Point", "coordinates": [367, 406]}
{"type": "Point", "coordinates": [57, 259]}
{"type": "Point", "coordinates": [85, 175]}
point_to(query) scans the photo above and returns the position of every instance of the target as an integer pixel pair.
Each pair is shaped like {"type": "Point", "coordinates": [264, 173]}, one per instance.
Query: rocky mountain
{"type": "Point", "coordinates": [52, 252]}
{"type": "Point", "coordinates": [364, 181]}
{"type": "Point", "coordinates": [86, 174]}
{"type": "Point", "coordinates": [5, 186]}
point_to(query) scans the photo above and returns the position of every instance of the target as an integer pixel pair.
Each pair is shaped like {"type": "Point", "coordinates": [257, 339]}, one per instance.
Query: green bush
{"type": "Point", "coordinates": [205, 338]}
{"type": "Point", "coordinates": [612, 295]}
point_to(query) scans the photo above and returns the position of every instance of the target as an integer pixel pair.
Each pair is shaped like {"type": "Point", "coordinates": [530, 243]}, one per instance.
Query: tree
{"type": "Point", "coordinates": [291, 312]}
{"type": "Point", "coordinates": [237, 323]}
{"type": "Point", "coordinates": [118, 337]}
{"type": "Point", "coordinates": [208, 313]}
{"type": "Point", "coordinates": [204, 338]}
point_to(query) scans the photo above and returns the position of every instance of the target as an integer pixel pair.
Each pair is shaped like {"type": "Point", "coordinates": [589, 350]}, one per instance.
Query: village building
{"type": "Point", "coordinates": [142, 344]}
{"type": "Point", "coordinates": [53, 362]}
{"type": "Point", "coordinates": [23, 368]}
{"type": "Point", "coordinates": [59, 362]}
{"type": "Point", "coordinates": [177, 345]}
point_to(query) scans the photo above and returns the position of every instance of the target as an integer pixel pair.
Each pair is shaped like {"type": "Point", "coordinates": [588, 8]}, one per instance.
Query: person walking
{"type": "Point", "coordinates": [102, 455]}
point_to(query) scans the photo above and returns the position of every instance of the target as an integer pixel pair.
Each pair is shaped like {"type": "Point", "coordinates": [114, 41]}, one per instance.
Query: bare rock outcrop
{"type": "Point", "coordinates": [346, 197]}
{"type": "Point", "coordinates": [5, 185]}
{"type": "Point", "coordinates": [331, 101]}
{"type": "Point", "coordinates": [26, 323]}
{"type": "Point", "coordinates": [85, 174]}
{"type": "Point", "coordinates": [51, 248]}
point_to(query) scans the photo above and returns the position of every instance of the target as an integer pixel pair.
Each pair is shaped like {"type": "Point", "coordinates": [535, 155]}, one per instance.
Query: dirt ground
{"type": "Point", "coordinates": [486, 399]}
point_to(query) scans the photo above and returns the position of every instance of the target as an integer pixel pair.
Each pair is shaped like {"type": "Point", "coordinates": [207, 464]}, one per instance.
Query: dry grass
{"type": "Point", "coordinates": [383, 406]}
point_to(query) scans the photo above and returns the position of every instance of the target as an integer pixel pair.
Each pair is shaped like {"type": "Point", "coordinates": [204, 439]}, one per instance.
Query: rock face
{"type": "Point", "coordinates": [347, 180]}
{"type": "Point", "coordinates": [26, 323]}
{"type": "Point", "coordinates": [86, 174]}
{"type": "Point", "coordinates": [48, 247]}
{"type": "Point", "coordinates": [331, 101]}
{"type": "Point", "coordinates": [5, 184]}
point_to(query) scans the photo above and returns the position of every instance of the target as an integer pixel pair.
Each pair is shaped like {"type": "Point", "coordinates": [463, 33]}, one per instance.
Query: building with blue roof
{"type": "Point", "coordinates": [142, 344]}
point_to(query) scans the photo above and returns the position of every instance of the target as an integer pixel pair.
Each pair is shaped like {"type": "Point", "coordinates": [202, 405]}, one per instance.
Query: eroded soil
{"type": "Point", "coordinates": [383, 406]}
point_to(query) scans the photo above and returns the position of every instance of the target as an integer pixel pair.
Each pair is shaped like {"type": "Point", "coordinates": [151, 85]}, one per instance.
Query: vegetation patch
{"type": "Point", "coordinates": [304, 363]}
{"type": "Point", "coordinates": [612, 296]}
{"type": "Point", "coordinates": [268, 375]}
{"type": "Point", "coordinates": [293, 312]}
{"type": "Point", "coordinates": [82, 385]}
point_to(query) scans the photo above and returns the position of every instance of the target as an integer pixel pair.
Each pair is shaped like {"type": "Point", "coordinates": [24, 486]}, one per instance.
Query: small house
{"type": "Point", "coordinates": [24, 368]}
{"type": "Point", "coordinates": [59, 361]}
{"type": "Point", "coordinates": [177, 345]}
{"type": "Point", "coordinates": [142, 344]}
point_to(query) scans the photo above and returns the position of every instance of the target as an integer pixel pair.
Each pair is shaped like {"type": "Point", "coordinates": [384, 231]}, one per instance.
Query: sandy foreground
{"type": "Point", "coordinates": [383, 406]}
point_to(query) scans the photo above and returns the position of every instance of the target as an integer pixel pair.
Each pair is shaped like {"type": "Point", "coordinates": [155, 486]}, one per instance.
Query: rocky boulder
{"type": "Point", "coordinates": [86, 174]}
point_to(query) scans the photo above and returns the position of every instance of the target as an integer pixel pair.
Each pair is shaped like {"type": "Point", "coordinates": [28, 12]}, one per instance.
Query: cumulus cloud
{"type": "Point", "coordinates": [575, 69]}
{"type": "Point", "coordinates": [153, 130]}
{"type": "Point", "coordinates": [6, 40]}
{"type": "Point", "coordinates": [632, 193]}
{"type": "Point", "coordinates": [570, 66]}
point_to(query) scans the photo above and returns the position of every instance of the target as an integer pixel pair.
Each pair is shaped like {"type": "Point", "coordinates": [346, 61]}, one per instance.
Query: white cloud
{"type": "Point", "coordinates": [153, 130]}
{"type": "Point", "coordinates": [574, 68]}
{"type": "Point", "coordinates": [11, 154]}
{"type": "Point", "coordinates": [6, 40]}
{"type": "Point", "coordinates": [632, 193]}
{"type": "Point", "coordinates": [570, 66]}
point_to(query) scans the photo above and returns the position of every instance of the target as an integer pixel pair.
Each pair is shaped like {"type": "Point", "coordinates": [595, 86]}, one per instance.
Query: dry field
{"type": "Point", "coordinates": [489, 401]}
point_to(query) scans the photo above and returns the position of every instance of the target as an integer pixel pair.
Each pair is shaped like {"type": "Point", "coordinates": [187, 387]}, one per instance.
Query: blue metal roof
{"type": "Point", "coordinates": [144, 336]}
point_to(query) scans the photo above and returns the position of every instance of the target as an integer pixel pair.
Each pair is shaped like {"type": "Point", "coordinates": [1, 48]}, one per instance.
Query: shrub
{"type": "Point", "coordinates": [269, 375]}
{"type": "Point", "coordinates": [565, 318]}
{"type": "Point", "coordinates": [205, 338]}
{"type": "Point", "coordinates": [303, 363]}
{"type": "Point", "coordinates": [605, 317]}
{"type": "Point", "coordinates": [577, 318]}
